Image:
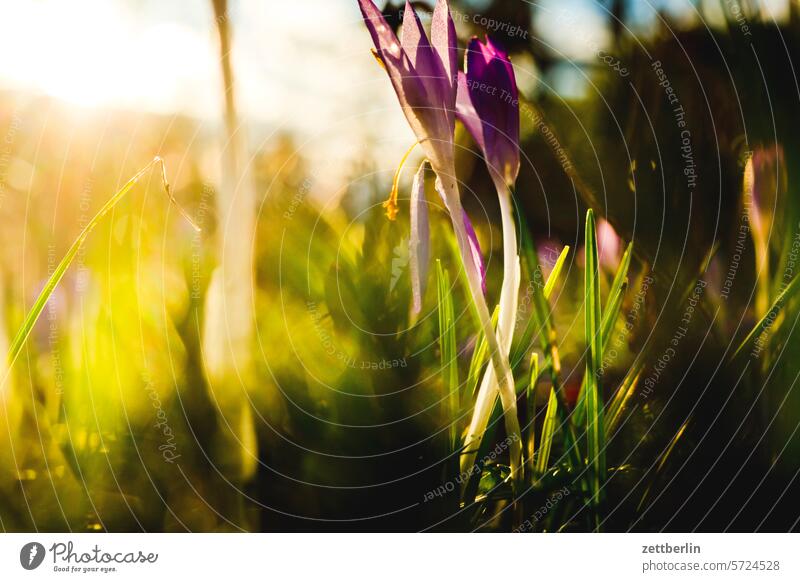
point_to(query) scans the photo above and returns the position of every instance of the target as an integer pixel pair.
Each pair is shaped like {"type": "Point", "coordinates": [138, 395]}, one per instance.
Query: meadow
{"type": "Point", "coordinates": [559, 311]}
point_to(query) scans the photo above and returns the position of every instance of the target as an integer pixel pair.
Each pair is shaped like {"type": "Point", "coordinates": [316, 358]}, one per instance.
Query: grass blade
{"type": "Point", "coordinates": [621, 398]}
{"type": "Point", "coordinates": [595, 434]}
{"type": "Point", "coordinates": [35, 311]}
{"type": "Point", "coordinates": [479, 357]}
{"type": "Point", "coordinates": [540, 318]}
{"type": "Point", "coordinates": [548, 431]}
{"type": "Point", "coordinates": [540, 322]}
{"type": "Point", "coordinates": [610, 315]}
{"type": "Point", "coordinates": [621, 276]}
{"type": "Point", "coordinates": [530, 400]}
{"type": "Point", "coordinates": [448, 351]}
{"type": "Point", "coordinates": [541, 325]}
{"type": "Point", "coordinates": [662, 461]}
{"type": "Point", "coordinates": [552, 278]}
{"type": "Point", "coordinates": [766, 322]}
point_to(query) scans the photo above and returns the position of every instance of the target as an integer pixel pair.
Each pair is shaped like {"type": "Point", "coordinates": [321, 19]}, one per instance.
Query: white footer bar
{"type": "Point", "coordinates": [401, 557]}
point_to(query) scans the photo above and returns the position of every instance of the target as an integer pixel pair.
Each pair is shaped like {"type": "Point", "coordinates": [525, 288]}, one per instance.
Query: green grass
{"type": "Point", "coordinates": [610, 315]}
{"type": "Point", "coordinates": [449, 352]}
{"type": "Point", "coordinates": [595, 433]}
{"type": "Point", "coordinates": [530, 399]}
{"type": "Point", "coordinates": [548, 433]}
{"type": "Point", "coordinates": [770, 318]}
{"type": "Point", "coordinates": [479, 358]}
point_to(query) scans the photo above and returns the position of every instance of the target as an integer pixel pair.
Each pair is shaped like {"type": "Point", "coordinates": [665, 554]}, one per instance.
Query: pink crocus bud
{"type": "Point", "coordinates": [609, 245]}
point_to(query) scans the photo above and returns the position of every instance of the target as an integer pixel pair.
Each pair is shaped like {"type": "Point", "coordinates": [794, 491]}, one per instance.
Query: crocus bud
{"type": "Point", "coordinates": [487, 103]}
{"type": "Point", "coordinates": [609, 245]}
{"type": "Point", "coordinates": [764, 181]}
{"type": "Point", "coordinates": [419, 240]}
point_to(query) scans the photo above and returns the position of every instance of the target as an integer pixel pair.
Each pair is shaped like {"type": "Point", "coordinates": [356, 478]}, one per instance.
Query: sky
{"type": "Point", "coordinates": [302, 66]}
{"type": "Point", "coordinates": [162, 56]}
{"type": "Point", "coordinates": [298, 61]}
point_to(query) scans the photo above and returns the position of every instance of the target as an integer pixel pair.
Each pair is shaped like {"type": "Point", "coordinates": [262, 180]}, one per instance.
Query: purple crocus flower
{"type": "Point", "coordinates": [488, 105]}
{"type": "Point", "coordinates": [423, 74]}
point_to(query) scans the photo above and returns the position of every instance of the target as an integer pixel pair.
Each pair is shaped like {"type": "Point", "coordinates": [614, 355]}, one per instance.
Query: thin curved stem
{"type": "Point", "coordinates": [497, 354]}
{"type": "Point", "coordinates": [35, 311]}
{"type": "Point", "coordinates": [489, 388]}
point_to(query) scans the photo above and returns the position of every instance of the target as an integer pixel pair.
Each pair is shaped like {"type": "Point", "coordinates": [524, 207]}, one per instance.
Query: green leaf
{"type": "Point", "coordinates": [530, 400]}
{"type": "Point", "coordinates": [552, 278]}
{"type": "Point", "coordinates": [622, 272]}
{"type": "Point", "coordinates": [595, 433]}
{"type": "Point", "coordinates": [771, 315]}
{"type": "Point", "coordinates": [540, 318]}
{"type": "Point", "coordinates": [541, 324]}
{"type": "Point", "coordinates": [479, 357]}
{"type": "Point", "coordinates": [548, 431]}
{"type": "Point", "coordinates": [613, 413]}
{"type": "Point", "coordinates": [610, 314]}
{"type": "Point", "coordinates": [448, 350]}
{"type": "Point", "coordinates": [663, 461]}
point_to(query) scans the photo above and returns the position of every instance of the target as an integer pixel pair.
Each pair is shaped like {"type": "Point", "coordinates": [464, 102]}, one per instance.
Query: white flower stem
{"type": "Point", "coordinates": [488, 392]}
{"type": "Point", "coordinates": [499, 355]}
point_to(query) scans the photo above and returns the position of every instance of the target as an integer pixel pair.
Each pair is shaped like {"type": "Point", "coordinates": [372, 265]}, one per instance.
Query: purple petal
{"type": "Point", "coordinates": [609, 245]}
{"type": "Point", "coordinates": [491, 88]}
{"type": "Point", "coordinates": [467, 114]}
{"type": "Point", "coordinates": [427, 65]}
{"type": "Point", "coordinates": [419, 241]}
{"type": "Point", "coordinates": [502, 56]}
{"type": "Point", "coordinates": [445, 43]}
{"type": "Point", "coordinates": [411, 93]}
{"type": "Point", "coordinates": [415, 43]}
{"type": "Point", "coordinates": [475, 247]}
{"type": "Point", "coordinates": [383, 37]}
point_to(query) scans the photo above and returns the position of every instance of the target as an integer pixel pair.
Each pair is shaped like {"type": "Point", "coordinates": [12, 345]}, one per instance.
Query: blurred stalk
{"type": "Point", "coordinates": [229, 318]}
{"type": "Point", "coordinates": [5, 365]}
{"type": "Point", "coordinates": [760, 239]}
{"type": "Point", "coordinates": [229, 309]}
